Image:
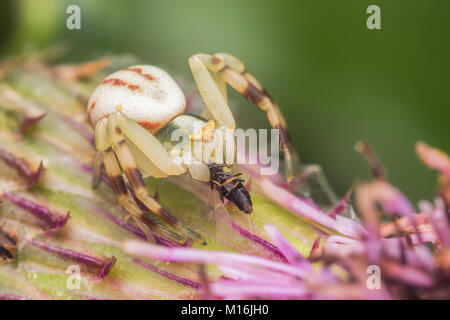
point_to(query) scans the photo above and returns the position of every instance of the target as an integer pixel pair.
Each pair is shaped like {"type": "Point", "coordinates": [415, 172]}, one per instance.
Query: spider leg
{"type": "Point", "coordinates": [234, 73]}
{"type": "Point", "coordinates": [211, 93]}
{"type": "Point", "coordinates": [222, 85]}
{"type": "Point", "coordinates": [97, 168]}
{"type": "Point", "coordinates": [213, 90]}
{"type": "Point", "coordinates": [134, 177]}
{"type": "Point", "coordinates": [114, 172]}
{"type": "Point", "coordinates": [146, 149]}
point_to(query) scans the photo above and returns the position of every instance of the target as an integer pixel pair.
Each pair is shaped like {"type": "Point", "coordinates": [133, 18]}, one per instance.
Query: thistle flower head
{"type": "Point", "coordinates": [59, 238]}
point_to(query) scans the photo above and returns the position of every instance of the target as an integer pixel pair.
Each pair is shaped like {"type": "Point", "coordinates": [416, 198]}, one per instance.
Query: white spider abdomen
{"type": "Point", "coordinates": [143, 93]}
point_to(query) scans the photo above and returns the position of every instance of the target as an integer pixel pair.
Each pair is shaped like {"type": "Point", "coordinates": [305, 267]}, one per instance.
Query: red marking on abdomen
{"type": "Point", "coordinates": [148, 76]}
{"type": "Point", "coordinates": [153, 127]}
{"type": "Point", "coordinates": [121, 83]}
{"type": "Point", "coordinates": [92, 106]}
{"type": "Point", "coordinates": [115, 82]}
{"type": "Point", "coordinates": [133, 87]}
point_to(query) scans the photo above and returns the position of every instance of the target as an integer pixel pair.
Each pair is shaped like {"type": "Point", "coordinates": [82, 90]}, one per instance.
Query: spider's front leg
{"type": "Point", "coordinates": [118, 159]}
{"type": "Point", "coordinates": [210, 72]}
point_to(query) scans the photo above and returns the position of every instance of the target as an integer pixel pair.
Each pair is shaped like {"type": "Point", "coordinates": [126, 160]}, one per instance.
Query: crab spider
{"type": "Point", "coordinates": [136, 110]}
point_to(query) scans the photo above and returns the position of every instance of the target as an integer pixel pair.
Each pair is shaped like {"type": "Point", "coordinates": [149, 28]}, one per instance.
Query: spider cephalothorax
{"type": "Point", "coordinates": [136, 112]}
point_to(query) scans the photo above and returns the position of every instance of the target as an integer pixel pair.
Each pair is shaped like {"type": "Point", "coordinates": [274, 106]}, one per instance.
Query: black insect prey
{"type": "Point", "coordinates": [230, 187]}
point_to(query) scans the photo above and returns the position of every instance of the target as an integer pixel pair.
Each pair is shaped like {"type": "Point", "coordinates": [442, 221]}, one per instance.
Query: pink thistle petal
{"type": "Point", "coordinates": [434, 158]}
{"type": "Point", "coordinates": [249, 289]}
{"type": "Point", "coordinates": [342, 205]}
{"type": "Point", "coordinates": [256, 274]}
{"type": "Point", "coordinates": [404, 224]}
{"type": "Point", "coordinates": [28, 122]}
{"type": "Point", "coordinates": [408, 274]}
{"type": "Point", "coordinates": [174, 254]}
{"type": "Point", "coordinates": [376, 167]}
{"type": "Point", "coordinates": [22, 167]}
{"type": "Point", "coordinates": [47, 219]}
{"type": "Point", "coordinates": [100, 268]}
{"type": "Point", "coordinates": [286, 248]}
{"type": "Point", "coordinates": [395, 202]}
{"type": "Point", "coordinates": [278, 255]}
{"type": "Point", "coordinates": [11, 297]}
{"type": "Point", "coordinates": [166, 274]}
{"type": "Point", "coordinates": [314, 253]}
{"type": "Point", "coordinates": [304, 209]}
{"type": "Point", "coordinates": [342, 240]}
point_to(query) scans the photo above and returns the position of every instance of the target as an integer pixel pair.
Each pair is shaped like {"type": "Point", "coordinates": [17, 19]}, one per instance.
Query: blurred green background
{"type": "Point", "coordinates": [336, 81]}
